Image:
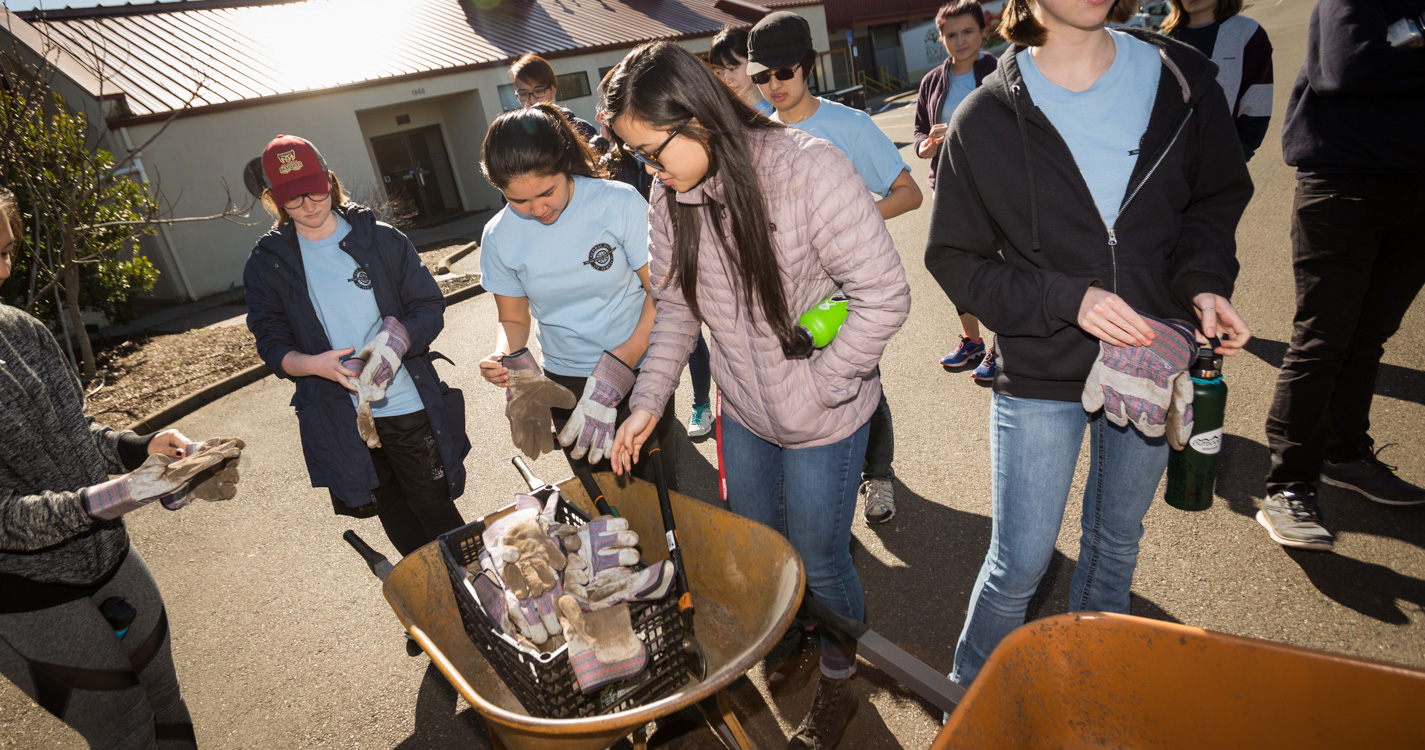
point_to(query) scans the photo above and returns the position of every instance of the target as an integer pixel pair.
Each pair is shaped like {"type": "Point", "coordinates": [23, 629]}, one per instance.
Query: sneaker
{"type": "Point", "coordinates": [700, 422]}
{"type": "Point", "coordinates": [988, 367]}
{"type": "Point", "coordinates": [879, 498]}
{"type": "Point", "coordinates": [1293, 519]}
{"type": "Point", "coordinates": [831, 710]}
{"type": "Point", "coordinates": [966, 351]}
{"type": "Point", "coordinates": [794, 673]}
{"type": "Point", "coordinates": [1373, 478]}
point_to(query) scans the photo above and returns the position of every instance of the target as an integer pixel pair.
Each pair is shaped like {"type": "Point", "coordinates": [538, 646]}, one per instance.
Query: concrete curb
{"type": "Point", "coordinates": [445, 262]}
{"type": "Point", "coordinates": [194, 401]}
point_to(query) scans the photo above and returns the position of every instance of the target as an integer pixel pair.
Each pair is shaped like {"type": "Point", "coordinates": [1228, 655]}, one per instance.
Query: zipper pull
{"type": "Point", "coordinates": [1112, 238]}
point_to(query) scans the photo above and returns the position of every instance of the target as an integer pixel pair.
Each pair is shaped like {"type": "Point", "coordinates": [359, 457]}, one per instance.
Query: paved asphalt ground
{"type": "Point", "coordinates": [283, 638]}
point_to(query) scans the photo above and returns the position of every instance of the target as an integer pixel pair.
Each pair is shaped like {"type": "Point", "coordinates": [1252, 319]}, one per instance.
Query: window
{"type": "Point", "coordinates": [507, 97]}
{"type": "Point", "coordinates": [604, 72]}
{"type": "Point", "coordinates": [573, 85]}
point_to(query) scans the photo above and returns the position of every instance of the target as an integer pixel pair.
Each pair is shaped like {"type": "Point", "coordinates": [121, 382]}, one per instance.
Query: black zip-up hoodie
{"type": "Point", "coordinates": [1015, 237]}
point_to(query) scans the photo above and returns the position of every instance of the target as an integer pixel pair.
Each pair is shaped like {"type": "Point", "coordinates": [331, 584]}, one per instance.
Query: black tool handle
{"type": "Point", "coordinates": [669, 528]}
{"type": "Point", "coordinates": [377, 562]}
{"type": "Point", "coordinates": [591, 488]}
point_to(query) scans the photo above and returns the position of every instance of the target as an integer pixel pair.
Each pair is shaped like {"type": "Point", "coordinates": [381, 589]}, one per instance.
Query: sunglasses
{"type": "Point", "coordinates": [652, 159]}
{"type": "Point", "coordinates": [782, 74]}
{"type": "Point", "coordinates": [296, 202]}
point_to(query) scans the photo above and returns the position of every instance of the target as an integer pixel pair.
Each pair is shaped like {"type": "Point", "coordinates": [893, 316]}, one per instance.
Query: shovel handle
{"type": "Point", "coordinates": [377, 562]}
{"type": "Point", "coordinates": [685, 602]}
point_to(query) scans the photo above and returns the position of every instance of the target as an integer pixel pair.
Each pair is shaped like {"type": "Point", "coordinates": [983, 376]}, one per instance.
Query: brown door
{"type": "Point", "coordinates": [415, 167]}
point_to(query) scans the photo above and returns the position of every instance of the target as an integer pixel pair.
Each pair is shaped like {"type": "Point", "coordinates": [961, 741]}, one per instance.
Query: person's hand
{"type": "Point", "coordinates": [931, 144]}
{"type": "Point", "coordinates": [171, 443]}
{"type": "Point", "coordinates": [1105, 316]}
{"type": "Point", "coordinates": [494, 371]}
{"type": "Point", "coordinates": [1217, 317]}
{"type": "Point", "coordinates": [329, 365]}
{"type": "Point", "coordinates": [629, 440]}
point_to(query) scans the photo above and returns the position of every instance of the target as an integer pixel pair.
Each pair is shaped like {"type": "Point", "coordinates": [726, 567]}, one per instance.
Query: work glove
{"type": "Point", "coordinates": [591, 428]}
{"type": "Point", "coordinates": [528, 401]}
{"type": "Point", "coordinates": [523, 553]}
{"type": "Point", "coordinates": [532, 619]}
{"type": "Point", "coordinates": [158, 478]}
{"type": "Point", "coordinates": [215, 483]}
{"type": "Point", "coordinates": [376, 364]}
{"type": "Point", "coordinates": [600, 557]}
{"type": "Point", "coordinates": [1148, 386]}
{"type": "Point", "coordinates": [602, 645]}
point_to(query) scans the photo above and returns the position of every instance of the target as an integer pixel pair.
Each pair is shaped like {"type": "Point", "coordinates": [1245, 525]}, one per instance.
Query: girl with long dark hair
{"type": "Point", "coordinates": [753, 223]}
{"type": "Point", "coordinates": [569, 249]}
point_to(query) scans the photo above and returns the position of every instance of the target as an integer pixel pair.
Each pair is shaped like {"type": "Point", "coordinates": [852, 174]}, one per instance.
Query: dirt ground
{"type": "Point", "coordinates": [143, 373]}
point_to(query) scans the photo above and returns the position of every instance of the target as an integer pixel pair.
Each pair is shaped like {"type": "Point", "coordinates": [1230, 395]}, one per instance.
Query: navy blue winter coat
{"type": "Point", "coordinates": [282, 317]}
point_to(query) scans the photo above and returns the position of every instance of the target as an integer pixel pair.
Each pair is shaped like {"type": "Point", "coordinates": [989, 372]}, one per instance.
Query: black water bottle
{"type": "Point", "coordinates": [119, 613]}
{"type": "Point", "coordinates": [1192, 471]}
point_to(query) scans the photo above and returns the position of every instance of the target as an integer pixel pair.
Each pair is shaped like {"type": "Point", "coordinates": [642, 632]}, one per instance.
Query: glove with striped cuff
{"type": "Point", "coordinates": [591, 427]}
{"type": "Point", "coordinates": [1148, 386]}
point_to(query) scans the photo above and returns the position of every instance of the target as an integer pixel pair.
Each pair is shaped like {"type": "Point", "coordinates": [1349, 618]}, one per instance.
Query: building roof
{"type": "Point", "coordinates": [159, 53]}
{"type": "Point", "coordinates": [846, 14]}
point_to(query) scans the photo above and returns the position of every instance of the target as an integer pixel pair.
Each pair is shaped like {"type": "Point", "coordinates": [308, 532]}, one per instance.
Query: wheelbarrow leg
{"type": "Point", "coordinates": [720, 716]}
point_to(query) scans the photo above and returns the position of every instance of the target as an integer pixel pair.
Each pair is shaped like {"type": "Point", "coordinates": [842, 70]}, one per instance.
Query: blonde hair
{"type": "Point", "coordinates": [10, 213]}
{"type": "Point", "coordinates": [280, 215]}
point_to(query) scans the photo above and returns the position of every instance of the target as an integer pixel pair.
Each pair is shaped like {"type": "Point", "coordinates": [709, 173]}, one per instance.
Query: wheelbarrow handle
{"type": "Point", "coordinates": [377, 562]}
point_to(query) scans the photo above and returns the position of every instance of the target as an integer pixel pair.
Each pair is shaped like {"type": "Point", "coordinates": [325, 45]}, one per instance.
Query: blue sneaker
{"type": "Point", "coordinates": [966, 351]}
{"type": "Point", "coordinates": [988, 367]}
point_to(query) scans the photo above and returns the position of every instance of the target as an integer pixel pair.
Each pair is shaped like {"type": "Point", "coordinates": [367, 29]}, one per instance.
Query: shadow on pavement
{"type": "Point", "coordinates": [437, 723]}
{"type": "Point", "coordinates": [1394, 381]}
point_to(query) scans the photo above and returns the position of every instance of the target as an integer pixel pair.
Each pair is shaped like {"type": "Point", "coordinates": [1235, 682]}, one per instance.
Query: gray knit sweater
{"type": "Point", "coordinates": [49, 451]}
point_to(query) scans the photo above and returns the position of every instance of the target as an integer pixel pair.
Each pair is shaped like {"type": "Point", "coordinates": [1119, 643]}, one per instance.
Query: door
{"type": "Point", "coordinates": [415, 169]}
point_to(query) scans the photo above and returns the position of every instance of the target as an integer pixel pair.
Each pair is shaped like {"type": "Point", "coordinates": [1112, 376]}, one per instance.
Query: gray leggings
{"type": "Point", "coordinates": [116, 693]}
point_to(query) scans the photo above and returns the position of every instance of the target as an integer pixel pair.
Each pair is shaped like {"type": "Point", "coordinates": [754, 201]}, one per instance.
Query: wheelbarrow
{"type": "Point", "coordinates": [1109, 680]}
{"type": "Point", "coordinates": [727, 557]}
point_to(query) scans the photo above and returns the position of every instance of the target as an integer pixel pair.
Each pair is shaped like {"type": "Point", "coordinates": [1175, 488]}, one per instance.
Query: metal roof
{"type": "Point", "coordinates": [158, 53]}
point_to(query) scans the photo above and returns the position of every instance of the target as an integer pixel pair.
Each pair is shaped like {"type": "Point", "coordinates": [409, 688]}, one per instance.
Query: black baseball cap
{"type": "Point", "coordinates": [780, 40]}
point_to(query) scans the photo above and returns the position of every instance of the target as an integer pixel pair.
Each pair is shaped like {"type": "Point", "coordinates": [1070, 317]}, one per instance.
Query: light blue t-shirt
{"type": "Point", "coordinates": [877, 159]}
{"type": "Point", "coordinates": [1104, 124]}
{"type": "Point", "coordinates": [765, 107]}
{"type": "Point", "coordinates": [346, 305]}
{"type": "Point", "coordinates": [578, 273]}
{"type": "Point", "coordinates": [957, 88]}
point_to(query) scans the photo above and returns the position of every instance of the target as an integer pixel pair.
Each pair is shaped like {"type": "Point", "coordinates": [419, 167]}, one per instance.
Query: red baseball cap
{"type": "Point", "coordinates": [293, 166]}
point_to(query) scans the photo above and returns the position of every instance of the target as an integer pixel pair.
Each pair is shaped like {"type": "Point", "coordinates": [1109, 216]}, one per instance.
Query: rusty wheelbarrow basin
{"type": "Point", "coordinates": [1105, 680]}
{"type": "Point", "coordinates": [746, 582]}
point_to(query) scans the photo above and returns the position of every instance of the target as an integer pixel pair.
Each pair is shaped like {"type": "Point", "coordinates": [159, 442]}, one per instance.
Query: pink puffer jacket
{"type": "Point", "coordinates": [828, 232]}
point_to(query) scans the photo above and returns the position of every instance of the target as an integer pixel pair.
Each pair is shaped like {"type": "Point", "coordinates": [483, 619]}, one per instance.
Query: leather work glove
{"type": "Point", "coordinates": [151, 481]}
{"type": "Point", "coordinates": [600, 573]}
{"type": "Point", "coordinates": [528, 401]}
{"type": "Point", "coordinates": [526, 558]}
{"type": "Point", "coordinates": [377, 360]}
{"type": "Point", "coordinates": [532, 619]}
{"type": "Point", "coordinates": [591, 428]}
{"type": "Point", "coordinates": [1147, 385]}
{"type": "Point", "coordinates": [602, 645]}
{"type": "Point", "coordinates": [215, 483]}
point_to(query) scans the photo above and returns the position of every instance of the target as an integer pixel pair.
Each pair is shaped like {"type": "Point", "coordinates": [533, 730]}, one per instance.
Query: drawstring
{"type": "Point", "coordinates": [1029, 169]}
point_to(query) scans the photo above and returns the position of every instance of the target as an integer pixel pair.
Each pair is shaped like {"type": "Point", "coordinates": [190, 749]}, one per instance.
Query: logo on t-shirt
{"type": "Point", "coordinates": [360, 278]}
{"type": "Point", "coordinates": [601, 257]}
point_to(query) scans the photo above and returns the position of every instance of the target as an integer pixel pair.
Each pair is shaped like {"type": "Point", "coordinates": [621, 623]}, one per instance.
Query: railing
{"type": "Point", "coordinates": [882, 82]}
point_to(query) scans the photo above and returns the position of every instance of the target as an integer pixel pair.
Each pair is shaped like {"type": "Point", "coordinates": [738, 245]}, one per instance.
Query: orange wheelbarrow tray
{"type": "Point", "coordinates": [1106, 680]}
{"type": "Point", "coordinates": [745, 578]}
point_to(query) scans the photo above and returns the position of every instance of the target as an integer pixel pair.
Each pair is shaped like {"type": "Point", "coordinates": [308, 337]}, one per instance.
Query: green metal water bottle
{"type": "Point", "coordinates": [1192, 471]}
{"type": "Point", "coordinates": [819, 325]}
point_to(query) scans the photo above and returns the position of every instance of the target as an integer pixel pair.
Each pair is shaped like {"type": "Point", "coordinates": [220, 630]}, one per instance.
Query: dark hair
{"type": "Point", "coordinates": [665, 86]}
{"type": "Point", "coordinates": [533, 68]}
{"type": "Point", "coordinates": [728, 46]}
{"type": "Point", "coordinates": [1178, 16]}
{"type": "Point", "coordinates": [1019, 26]}
{"type": "Point", "coordinates": [535, 140]}
{"type": "Point", "coordinates": [280, 215]}
{"type": "Point", "coordinates": [956, 8]}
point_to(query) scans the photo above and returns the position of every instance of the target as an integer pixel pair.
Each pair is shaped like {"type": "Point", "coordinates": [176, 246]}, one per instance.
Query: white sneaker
{"type": "Point", "coordinates": [700, 422]}
{"type": "Point", "coordinates": [879, 497]}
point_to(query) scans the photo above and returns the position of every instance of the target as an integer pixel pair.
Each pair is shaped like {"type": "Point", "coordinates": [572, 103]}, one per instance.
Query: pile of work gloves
{"type": "Point", "coordinates": [546, 583]}
{"type": "Point", "coordinates": [1148, 386]}
{"type": "Point", "coordinates": [206, 471]}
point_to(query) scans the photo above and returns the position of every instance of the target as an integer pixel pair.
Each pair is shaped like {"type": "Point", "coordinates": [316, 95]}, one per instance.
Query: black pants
{"type": "Point", "coordinates": [1358, 250]}
{"type": "Point", "coordinates": [413, 500]}
{"type": "Point", "coordinates": [663, 434]}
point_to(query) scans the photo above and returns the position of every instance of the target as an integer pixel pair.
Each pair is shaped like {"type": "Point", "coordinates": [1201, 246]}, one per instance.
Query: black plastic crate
{"type": "Point", "coordinates": [545, 684]}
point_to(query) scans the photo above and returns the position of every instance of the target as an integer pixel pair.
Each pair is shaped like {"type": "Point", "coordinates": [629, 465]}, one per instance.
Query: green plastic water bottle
{"type": "Point", "coordinates": [1192, 471]}
{"type": "Point", "coordinates": [818, 326]}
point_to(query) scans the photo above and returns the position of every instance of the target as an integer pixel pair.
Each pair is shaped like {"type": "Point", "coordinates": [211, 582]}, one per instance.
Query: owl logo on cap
{"type": "Point", "coordinates": [287, 161]}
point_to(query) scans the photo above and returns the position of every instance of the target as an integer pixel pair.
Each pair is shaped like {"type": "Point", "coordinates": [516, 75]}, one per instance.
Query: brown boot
{"type": "Point", "coordinates": [831, 710]}
{"type": "Point", "coordinates": [794, 673]}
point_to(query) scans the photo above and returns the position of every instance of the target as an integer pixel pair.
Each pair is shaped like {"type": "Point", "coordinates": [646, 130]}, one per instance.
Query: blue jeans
{"type": "Point", "coordinates": [809, 496]}
{"type": "Point", "coordinates": [700, 372]}
{"type": "Point", "coordinates": [1034, 447]}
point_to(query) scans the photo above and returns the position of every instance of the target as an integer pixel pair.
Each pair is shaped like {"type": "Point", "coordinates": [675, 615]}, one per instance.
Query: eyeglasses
{"type": "Point", "coordinates": [652, 159]}
{"type": "Point", "coordinates": [782, 74]}
{"type": "Point", "coordinates": [296, 202]}
{"type": "Point", "coordinates": [532, 94]}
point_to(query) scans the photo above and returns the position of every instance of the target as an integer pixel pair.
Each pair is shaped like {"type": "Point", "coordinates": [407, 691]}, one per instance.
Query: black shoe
{"type": "Point", "coordinates": [794, 673]}
{"type": "Point", "coordinates": [831, 710]}
{"type": "Point", "coordinates": [1373, 478]}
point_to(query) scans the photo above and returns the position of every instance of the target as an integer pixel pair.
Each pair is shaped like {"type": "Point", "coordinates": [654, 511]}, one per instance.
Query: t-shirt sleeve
{"type": "Point", "coordinates": [635, 234]}
{"type": "Point", "coordinates": [495, 276]}
{"type": "Point", "coordinates": [879, 153]}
